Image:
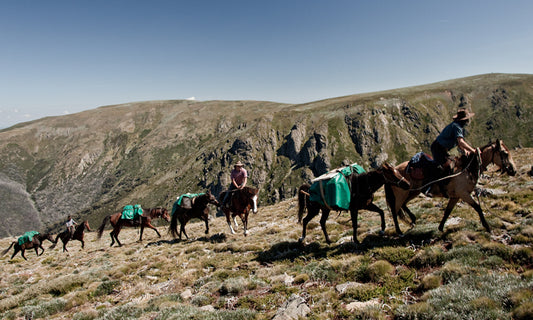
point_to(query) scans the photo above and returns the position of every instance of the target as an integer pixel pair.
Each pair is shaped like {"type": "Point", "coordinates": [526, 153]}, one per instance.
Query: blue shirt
{"type": "Point", "coordinates": [448, 137]}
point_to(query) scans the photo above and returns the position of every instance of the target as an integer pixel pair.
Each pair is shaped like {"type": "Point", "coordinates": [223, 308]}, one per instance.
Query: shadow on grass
{"type": "Point", "coordinates": [216, 238]}
{"type": "Point", "coordinates": [291, 250]}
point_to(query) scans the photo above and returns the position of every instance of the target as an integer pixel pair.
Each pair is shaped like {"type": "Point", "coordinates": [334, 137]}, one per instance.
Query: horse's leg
{"type": "Point", "coordinates": [22, 253]}
{"type": "Point", "coordinates": [451, 204]}
{"type": "Point", "coordinates": [116, 232]}
{"type": "Point", "coordinates": [228, 219]}
{"type": "Point", "coordinates": [374, 208]}
{"type": "Point", "coordinates": [398, 199]}
{"type": "Point", "coordinates": [141, 233]}
{"type": "Point", "coordinates": [323, 219]}
{"type": "Point", "coordinates": [235, 221]}
{"type": "Point", "coordinates": [183, 222]}
{"type": "Point", "coordinates": [37, 249]}
{"type": "Point", "coordinates": [82, 243]}
{"type": "Point", "coordinates": [65, 244]}
{"type": "Point", "coordinates": [312, 211]}
{"type": "Point", "coordinates": [245, 222]}
{"type": "Point", "coordinates": [206, 225]}
{"type": "Point", "coordinates": [411, 215]}
{"type": "Point", "coordinates": [16, 251]}
{"type": "Point", "coordinates": [468, 199]}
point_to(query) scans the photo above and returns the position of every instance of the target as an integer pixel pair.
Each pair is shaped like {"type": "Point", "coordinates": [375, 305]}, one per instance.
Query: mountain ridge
{"type": "Point", "coordinates": [93, 162]}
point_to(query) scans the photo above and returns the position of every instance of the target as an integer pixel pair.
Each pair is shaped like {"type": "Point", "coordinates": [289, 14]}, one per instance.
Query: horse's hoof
{"type": "Point", "coordinates": [300, 240]}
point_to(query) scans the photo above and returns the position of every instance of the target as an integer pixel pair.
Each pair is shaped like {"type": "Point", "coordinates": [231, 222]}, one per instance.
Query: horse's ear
{"type": "Point", "coordinates": [499, 144]}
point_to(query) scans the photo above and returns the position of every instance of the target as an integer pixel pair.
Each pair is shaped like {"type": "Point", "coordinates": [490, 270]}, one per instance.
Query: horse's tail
{"type": "Point", "coordinates": [303, 197]}
{"type": "Point", "coordinates": [173, 228]}
{"type": "Point", "coordinates": [7, 250]}
{"type": "Point", "coordinates": [102, 226]}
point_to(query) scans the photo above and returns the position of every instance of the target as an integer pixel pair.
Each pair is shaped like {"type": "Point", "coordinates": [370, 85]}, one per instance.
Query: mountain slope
{"type": "Point", "coordinates": [92, 163]}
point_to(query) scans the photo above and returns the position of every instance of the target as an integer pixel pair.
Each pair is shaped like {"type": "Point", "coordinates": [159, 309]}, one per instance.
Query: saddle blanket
{"type": "Point", "coordinates": [333, 188]}
{"type": "Point", "coordinates": [27, 237]}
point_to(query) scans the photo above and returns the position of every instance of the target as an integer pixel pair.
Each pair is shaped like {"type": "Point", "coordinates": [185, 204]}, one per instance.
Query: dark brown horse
{"type": "Point", "coordinates": [36, 243]}
{"type": "Point", "coordinates": [241, 202]}
{"type": "Point", "coordinates": [146, 222]}
{"type": "Point", "coordinates": [65, 236]}
{"type": "Point", "coordinates": [362, 191]}
{"type": "Point", "coordinates": [458, 186]}
{"type": "Point", "coordinates": [199, 209]}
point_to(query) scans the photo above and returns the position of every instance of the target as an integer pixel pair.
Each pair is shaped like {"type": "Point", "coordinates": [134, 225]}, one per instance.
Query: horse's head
{"type": "Point", "coordinates": [49, 237]}
{"type": "Point", "coordinates": [251, 197]}
{"type": "Point", "coordinates": [211, 198]}
{"type": "Point", "coordinates": [393, 176]}
{"type": "Point", "coordinates": [506, 162]}
{"type": "Point", "coordinates": [165, 215]}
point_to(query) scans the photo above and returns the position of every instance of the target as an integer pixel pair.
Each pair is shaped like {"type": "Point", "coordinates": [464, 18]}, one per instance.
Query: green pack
{"type": "Point", "coordinates": [127, 212]}
{"type": "Point", "coordinates": [131, 212]}
{"type": "Point", "coordinates": [334, 187]}
{"type": "Point", "coordinates": [27, 237]}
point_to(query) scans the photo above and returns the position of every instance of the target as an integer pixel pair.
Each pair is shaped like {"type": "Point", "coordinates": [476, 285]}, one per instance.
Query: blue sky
{"type": "Point", "coordinates": [60, 57]}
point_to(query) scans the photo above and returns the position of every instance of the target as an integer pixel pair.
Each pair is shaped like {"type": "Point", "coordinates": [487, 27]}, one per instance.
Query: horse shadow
{"type": "Point", "coordinates": [292, 250]}
{"type": "Point", "coordinates": [216, 238]}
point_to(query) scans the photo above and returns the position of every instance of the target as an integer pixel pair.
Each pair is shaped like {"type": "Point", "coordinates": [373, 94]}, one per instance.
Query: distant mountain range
{"type": "Point", "coordinates": [92, 163]}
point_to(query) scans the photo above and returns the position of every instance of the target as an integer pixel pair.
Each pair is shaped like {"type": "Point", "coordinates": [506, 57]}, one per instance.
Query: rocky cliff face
{"type": "Point", "coordinates": [93, 163]}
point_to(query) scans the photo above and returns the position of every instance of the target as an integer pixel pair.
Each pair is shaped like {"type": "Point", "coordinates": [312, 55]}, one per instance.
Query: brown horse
{"type": "Point", "coordinates": [146, 222]}
{"type": "Point", "coordinates": [363, 187]}
{"type": "Point", "coordinates": [36, 243]}
{"type": "Point", "coordinates": [242, 200]}
{"type": "Point", "coordinates": [199, 210]}
{"type": "Point", "coordinates": [458, 186]}
{"type": "Point", "coordinates": [78, 235]}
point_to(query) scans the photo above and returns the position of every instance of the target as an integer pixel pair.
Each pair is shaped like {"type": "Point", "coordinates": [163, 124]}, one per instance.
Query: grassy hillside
{"type": "Point", "coordinates": [461, 273]}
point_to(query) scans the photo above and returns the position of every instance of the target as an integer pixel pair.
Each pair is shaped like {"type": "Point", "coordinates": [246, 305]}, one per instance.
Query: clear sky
{"type": "Point", "coordinates": [60, 57]}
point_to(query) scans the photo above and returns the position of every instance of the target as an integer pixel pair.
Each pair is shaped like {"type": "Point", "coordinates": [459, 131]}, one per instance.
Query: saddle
{"type": "Point", "coordinates": [420, 166]}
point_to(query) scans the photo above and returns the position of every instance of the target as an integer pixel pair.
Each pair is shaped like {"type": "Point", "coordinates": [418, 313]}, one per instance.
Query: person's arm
{"type": "Point", "coordinates": [465, 146]}
{"type": "Point", "coordinates": [243, 183]}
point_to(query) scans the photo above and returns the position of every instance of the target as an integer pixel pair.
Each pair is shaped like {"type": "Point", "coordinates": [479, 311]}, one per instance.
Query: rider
{"type": "Point", "coordinates": [239, 177]}
{"type": "Point", "coordinates": [451, 136]}
{"type": "Point", "coordinates": [70, 225]}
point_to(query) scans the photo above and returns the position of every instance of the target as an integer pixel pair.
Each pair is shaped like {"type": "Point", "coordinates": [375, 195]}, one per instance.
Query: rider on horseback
{"type": "Point", "coordinates": [451, 136]}
{"type": "Point", "coordinates": [70, 225]}
{"type": "Point", "coordinates": [239, 176]}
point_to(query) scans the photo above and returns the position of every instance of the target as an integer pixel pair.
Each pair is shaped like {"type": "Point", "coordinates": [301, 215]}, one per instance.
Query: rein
{"type": "Point", "coordinates": [478, 156]}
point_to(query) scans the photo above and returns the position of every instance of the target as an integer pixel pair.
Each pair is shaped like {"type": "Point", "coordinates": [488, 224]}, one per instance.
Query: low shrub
{"type": "Point", "coordinates": [379, 269]}
{"type": "Point", "coordinates": [394, 255]}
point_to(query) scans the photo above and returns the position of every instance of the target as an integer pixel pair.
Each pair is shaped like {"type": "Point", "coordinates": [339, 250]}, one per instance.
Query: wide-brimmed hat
{"type": "Point", "coordinates": [463, 114]}
{"type": "Point", "coordinates": [239, 164]}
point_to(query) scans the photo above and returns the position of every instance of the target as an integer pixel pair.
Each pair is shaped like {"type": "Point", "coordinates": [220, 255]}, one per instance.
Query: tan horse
{"type": "Point", "coordinates": [363, 187]}
{"type": "Point", "coordinates": [458, 187]}
{"type": "Point", "coordinates": [146, 222]}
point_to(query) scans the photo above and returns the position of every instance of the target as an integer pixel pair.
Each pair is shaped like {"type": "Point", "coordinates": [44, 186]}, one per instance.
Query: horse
{"type": "Point", "coordinates": [458, 186]}
{"type": "Point", "coordinates": [65, 236]}
{"type": "Point", "coordinates": [362, 191]}
{"type": "Point", "coordinates": [242, 200]}
{"type": "Point", "coordinates": [199, 209]}
{"type": "Point", "coordinates": [36, 243]}
{"type": "Point", "coordinates": [145, 222]}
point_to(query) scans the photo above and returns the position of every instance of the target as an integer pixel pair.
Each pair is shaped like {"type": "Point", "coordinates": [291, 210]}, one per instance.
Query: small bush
{"type": "Point", "coordinates": [429, 257]}
{"type": "Point", "coordinates": [105, 288]}
{"type": "Point", "coordinates": [524, 311]}
{"type": "Point", "coordinates": [379, 269]}
{"type": "Point", "coordinates": [523, 256]}
{"type": "Point", "coordinates": [233, 286]}
{"type": "Point", "coordinates": [301, 278]}
{"type": "Point", "coordinates": [44, 309]}
{"type": "Point", "coordinates": [363, 292]}
{"type": "Point", "coordinates": [430, 281]}
{"type": "Point", "coordinates": [394, 255]}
